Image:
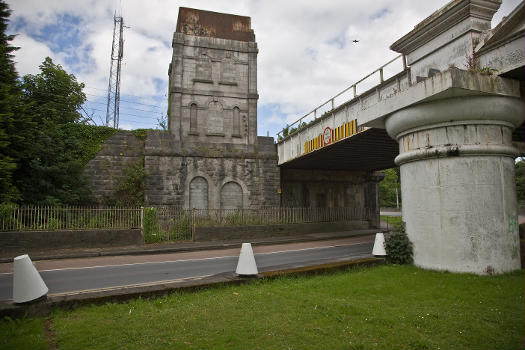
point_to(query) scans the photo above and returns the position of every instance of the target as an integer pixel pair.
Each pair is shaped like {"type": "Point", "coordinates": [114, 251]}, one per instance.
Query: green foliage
{"type": "Point", "coordinates": [162, 122]}
{"type": "Point", "coordinates": [43, 149]}
{"type": "Point", "coordinates": [141, 134]}
{"type": "Point", "coordinates": [519, 168]}
{"type": "Point", "coordinates": [290, 130]}
{"type": "Point", "coordinates": [54, 95]}
{"type": "Point", "coordinates": [387, 188]}
{"type": "Point", "coordinates": [90, 139]}
{"type": "Point", "coordinates": [13, 121]}
{"type": "Point", "coordinates": [177, 228]}
{"type": "Point", "coordinates": [151, 230]}
{"type": "Point", "coordinates": [472, 64]}
{"type": "Point", "coordinates": [385, 307]}
{"type": "Point", "coordinates": [398, 247]}
{"type": "Point", "coordinates": [130, 190]}
{"type": "Point", "coordinates": [50, 163]}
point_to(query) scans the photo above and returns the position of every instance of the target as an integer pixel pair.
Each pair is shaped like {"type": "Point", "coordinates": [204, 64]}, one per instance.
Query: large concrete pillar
{"type": "Point", "coordinates": [457, 178]}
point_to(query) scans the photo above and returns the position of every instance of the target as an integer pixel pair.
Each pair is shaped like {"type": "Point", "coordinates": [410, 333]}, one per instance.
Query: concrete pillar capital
{"type": "Point", "coordinates": [456, 109]}
{"type": "Point", "coordinates": [457, 178]}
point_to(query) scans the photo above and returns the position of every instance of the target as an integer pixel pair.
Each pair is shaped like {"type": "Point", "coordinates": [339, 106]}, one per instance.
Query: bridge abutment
{"type": "Point", "coordinates": [457, 177]}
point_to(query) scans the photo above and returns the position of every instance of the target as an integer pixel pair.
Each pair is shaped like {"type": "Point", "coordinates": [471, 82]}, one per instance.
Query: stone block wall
{"type": "Point", "coordinates": [20, 242]}
{"type": "Point", "coordinates": [210, 178]}
{"type": "Point", "coordinates": [109, 166]}
{"type": "Point", "coordinates": [331, 189]}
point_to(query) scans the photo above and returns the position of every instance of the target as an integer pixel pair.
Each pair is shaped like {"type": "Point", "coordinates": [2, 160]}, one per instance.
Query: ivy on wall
{"type": "Point", "coordinates": [130, 189]}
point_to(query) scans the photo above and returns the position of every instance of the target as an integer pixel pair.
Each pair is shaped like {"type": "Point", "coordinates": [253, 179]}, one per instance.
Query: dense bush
{"type": "Point", "coordinates": [398, 247]}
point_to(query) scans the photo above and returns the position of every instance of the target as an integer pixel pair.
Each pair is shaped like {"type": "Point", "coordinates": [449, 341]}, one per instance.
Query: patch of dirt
{"type": "Point", "coordinates": [50, 335]}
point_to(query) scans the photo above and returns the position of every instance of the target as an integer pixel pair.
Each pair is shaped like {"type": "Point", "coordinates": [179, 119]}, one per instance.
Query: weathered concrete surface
{"type": "Point", "coordinates": [27, 241]}
{"type": "Point", "coordinates": [453, 82]}
{"type": "Point", "coordinates": [447, 37]}
{"type": "Point", "coordinates": [455, 139]}
{"type": "Point", "coordinates": [457, 178]}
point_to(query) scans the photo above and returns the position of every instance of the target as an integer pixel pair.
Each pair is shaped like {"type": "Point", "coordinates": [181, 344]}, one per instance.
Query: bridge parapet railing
{"type": "Point", "coordinates": [352, 92]}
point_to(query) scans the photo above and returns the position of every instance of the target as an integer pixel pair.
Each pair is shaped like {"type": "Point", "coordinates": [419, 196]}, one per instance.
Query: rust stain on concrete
{"type": "Point", "coordinates": [214, 25]}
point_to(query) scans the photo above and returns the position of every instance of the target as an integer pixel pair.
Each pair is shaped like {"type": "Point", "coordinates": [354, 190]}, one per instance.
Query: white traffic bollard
{"type": "Point", "coordinates": [379, 245]}
{"type": "Point", "coordinates": [27, 283]}
{"type": "Point", "coordinates": [246, 265]}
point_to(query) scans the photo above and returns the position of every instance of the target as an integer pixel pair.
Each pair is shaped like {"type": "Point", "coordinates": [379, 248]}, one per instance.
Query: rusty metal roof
{"type": "Point", "coordinates": [214, 25]}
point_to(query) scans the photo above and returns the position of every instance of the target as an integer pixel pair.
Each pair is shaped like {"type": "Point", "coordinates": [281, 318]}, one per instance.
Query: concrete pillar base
{"type": "Point", "coordinates": [457, 178]}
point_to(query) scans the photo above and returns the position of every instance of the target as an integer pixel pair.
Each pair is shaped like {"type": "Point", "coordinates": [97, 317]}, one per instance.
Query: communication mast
{"type": "Point", "coordinates": [117, 52]}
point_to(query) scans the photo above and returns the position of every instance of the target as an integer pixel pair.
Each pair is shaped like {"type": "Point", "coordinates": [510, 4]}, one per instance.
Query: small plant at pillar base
{"type": "Point", "coordinates": [398, 247]}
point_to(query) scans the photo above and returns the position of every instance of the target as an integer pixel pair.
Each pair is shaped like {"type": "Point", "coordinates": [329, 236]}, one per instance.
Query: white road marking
{"type": "Point", "coordinates": [193, 259]}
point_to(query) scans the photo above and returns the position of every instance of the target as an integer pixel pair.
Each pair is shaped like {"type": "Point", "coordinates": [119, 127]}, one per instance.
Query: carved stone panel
{"type": "Point", "coordinates": [199, 193]}
{"type": "Point", "coordinates": [231, 196]}
{"type": "Point", "coordinates": [203, 70]}
{"type": "Point", "coordinates": [215, 118]}
{"type": "Point", "coordinates": [228, 71]}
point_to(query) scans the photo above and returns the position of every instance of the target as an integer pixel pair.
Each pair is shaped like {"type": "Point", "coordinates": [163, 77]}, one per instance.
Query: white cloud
{"type": "Point", "coordinates": [30, 55]}
{"type": "Point", "coordinates": [306, 53]}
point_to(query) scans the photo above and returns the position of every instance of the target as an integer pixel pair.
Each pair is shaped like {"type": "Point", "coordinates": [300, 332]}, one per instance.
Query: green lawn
{"type": "Point", "coordinates": [391, 220]}
{"type": "Point", "coordinates": [385, 307]}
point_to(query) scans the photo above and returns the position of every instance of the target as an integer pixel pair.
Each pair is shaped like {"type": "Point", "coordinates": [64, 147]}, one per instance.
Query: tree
{"type": "Point", "coordinates": [54, 95]}
{"type": "Point", "coordinates": [15, 123]}
{"type": "Point", "coordinates": [389, 188]}
{"type": "Point", "coordinates": [51, 171]}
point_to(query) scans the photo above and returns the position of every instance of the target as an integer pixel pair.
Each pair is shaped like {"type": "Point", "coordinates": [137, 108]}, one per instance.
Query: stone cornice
{"type": "Point", "coordinates": [443, 19]}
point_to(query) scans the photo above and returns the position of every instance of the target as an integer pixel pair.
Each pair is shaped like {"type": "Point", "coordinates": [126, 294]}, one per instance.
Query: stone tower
{"type": "Point", "coordinates": [213, 81]}
{"type": "Point", "coordinates": [212, 157]}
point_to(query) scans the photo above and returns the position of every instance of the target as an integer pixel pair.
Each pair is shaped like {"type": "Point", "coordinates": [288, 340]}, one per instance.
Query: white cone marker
{"type": "Point", "coordinates": [246, 265]}
{"type": "Point", "coordinates": [27, 283]}
{"type": "Point", "coordinates": [379, 245]}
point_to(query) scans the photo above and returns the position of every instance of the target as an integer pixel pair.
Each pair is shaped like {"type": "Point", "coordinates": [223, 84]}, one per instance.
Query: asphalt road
{"type": "Point", "coordinates": [66, 280]}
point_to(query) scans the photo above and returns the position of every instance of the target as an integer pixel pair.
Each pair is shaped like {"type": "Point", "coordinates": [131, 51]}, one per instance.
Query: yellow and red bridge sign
{"type": "Point", "coordinates": [330, 135]}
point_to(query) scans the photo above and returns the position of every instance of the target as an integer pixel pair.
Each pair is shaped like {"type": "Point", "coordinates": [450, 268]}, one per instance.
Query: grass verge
{"type": "Point", "coordinates": [367, 308]}
{"type": "Point", "coordinates": [391, 220]}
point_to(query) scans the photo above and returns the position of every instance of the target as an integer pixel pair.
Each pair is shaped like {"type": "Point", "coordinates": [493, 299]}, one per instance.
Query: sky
{"type": "Point", "coordinates": [306, 49]}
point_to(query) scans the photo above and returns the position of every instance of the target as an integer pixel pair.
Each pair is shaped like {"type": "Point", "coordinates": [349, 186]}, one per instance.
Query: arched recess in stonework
{"type": "Point", "coordinates": [236, 121]}
{"type": "Point", "coordinates": [193, 118]}
{"type": "Point", "coordinates": [199, 193]}
{"type": "Point", "coordinates": [231, 196]}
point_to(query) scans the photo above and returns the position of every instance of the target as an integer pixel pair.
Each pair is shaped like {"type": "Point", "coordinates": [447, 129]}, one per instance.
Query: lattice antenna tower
{"type": "Point", "coordinates": [117, 52]}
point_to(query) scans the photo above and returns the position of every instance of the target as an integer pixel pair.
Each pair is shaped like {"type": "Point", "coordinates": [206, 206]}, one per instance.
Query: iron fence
{"type": "Point", "coordinates": [276, 215]}
{"type": "Point", "coordinates": [45, 218]}
{"type": "Point", "coordinates": [165, 223]}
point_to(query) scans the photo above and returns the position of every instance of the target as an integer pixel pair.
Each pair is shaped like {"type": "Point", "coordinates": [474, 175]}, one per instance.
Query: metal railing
{"type": "Point", "coordinates": [276, 215]}
{"type": "Point", "coordinates": [165, 223]}
{"type": "Point", "coordinates": [331, 101]}
{"type": "Point", "coordinates": [44, 218]}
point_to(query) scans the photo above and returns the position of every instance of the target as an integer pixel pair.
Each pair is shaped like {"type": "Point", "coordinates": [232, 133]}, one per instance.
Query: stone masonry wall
{"type": "Point", "coordinates": [211, 178]}
{"type": "Point", "coordinates": [109, 166]}
{"type": "Point", "coordinates": [331, 189]}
